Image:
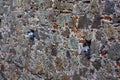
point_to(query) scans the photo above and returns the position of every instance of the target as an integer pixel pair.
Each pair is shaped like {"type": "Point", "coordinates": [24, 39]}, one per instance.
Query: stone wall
{"type": "Point", "coordinates": [59, 40]}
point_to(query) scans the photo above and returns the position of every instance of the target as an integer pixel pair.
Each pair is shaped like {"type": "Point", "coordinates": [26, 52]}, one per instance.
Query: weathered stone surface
{"type": "Point", "coordinates": [53, 50]}
{"type": "Point", "coordinates": [66, 33]}
{"type": "Point", "coordinates": [109, 7]}
{"type": "Point", "coordinates": [1, 37]}
{"type": "Point", "coordinates": [96, 21]}
{"type": "Point", "coordinates": [74, 43]}
{"type": "Point", "coordinates": [97, 64]}
{"type": "Point", "coordinates": [93, 8]}
{"type": "Point", "coordinates": [68, 54]}
{"type": "Point", "coordinates": [94, 48]}
{"type": "Point", "coordinates": [99, 35]}
{"type": "Point", "coordinates": [114, 51]}
{"type": "Point", "coordinates": [83, 72]}
{"type": "Point", "coordinates": [109, 31]}
{"type": "Point", "coordinates": [58, 64]}
{"type": "Point", "coordinates": [87, 35]}
{"type": "Point", "coordinates": [65, 77]}
{"type": "Point", "coordinates": [85, 61]}
{"type": "Point", "coordinates": [83, 22]}
{"type": "Point", "coordinates": [111, 78]}
{"type": "Point", "coordinates": [59, 39]}
{"type": "Point", "coordinates": [76, 76]}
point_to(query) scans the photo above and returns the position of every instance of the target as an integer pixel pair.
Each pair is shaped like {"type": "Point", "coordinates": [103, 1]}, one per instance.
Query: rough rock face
{"type": "Point", "coordinates": [109, 7]}
{"type": "Point", "coordinates": [114, 51]}
{"type": "Point", "coordinates": [97, 64]}
{"type": "Point", "coordinates": [96, 21]}
{"type": "Point", "coordinates": [59, 39]}
{"type": "Point", "coordinates": [83, 22]}
{"type": "Point", "coordinates": [76, 76]}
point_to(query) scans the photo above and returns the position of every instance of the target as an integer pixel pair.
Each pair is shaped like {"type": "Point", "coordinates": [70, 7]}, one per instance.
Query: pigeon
{"type": "Point", "coordinates": [86, 48]}
{"type": "Point", "coordinates": [31, 35]}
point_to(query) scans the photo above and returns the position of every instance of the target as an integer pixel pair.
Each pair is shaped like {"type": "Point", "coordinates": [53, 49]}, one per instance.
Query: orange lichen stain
{"type": "Point", "coordinates": [110, 41]}
{"type": "Point", "coordinates": [82, 41]}
{"type": "Point", "coordinates": [73, 30]}
{"type": "Point", "coordinates": [119, 38]}
{"type": "Point", "coordinates": [118, 64]}
{"type": "Point", "coordinates": [106, 17]}
{"type": "Point", "coordinates": [39, 67]}
{"type": "Point", "coordinates": [104, 52]}
{"type": "Point", "coordinates": [55, 26]}
{"type": "Point", "coordinates": [46, 49]}
{"type": "Point", "coordinates": [76, 30]}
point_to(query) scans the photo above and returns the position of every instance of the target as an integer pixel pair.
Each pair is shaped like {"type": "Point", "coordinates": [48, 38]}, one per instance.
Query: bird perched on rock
{"type": "Point", "coordinates": [31, 34]}
{"type": "Point", "coordinates": [86, 48]}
